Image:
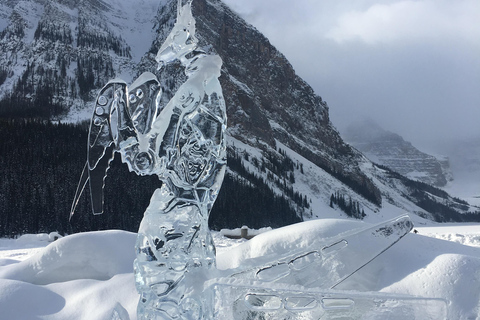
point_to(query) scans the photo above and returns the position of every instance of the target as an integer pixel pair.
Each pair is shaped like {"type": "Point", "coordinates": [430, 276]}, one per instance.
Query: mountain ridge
{"type": "Point", "coordinates": [280, 134]}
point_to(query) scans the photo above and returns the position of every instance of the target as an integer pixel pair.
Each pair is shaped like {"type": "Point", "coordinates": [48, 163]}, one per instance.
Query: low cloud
{"type": "Point", "coordinates": [413, 66]}
{"type": "Point", "coordinates": [410, 20]}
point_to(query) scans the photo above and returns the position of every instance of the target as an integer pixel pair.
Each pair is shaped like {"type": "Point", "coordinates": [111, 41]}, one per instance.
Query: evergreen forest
{"type": "Point", "coordinates": [41, 163]}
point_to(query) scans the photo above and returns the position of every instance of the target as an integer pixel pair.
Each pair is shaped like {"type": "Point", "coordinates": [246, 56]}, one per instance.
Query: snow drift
{"type": "Point", "coordinates": [90, 275]}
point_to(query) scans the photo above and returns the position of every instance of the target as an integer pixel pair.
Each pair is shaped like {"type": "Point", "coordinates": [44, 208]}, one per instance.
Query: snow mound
{"type": "Point", "coordinates": [6, 262]}
{"type": "Point", "coordinates": [21, 300]}
{"type": "Point", "coordinates": [465, 239]}
{"type": "Point", "coordinates": [454, 276]}
{"type": "Point", "coordinates": [465, 233]}
{"type": "Point", "coordinates": [92, 255]}
{"type": "Point", "coordinates": [32, 239]}
{"type": "Point", "coordinates": [423, 266]}
{"type": "Point", "coordinates": [79, 299]}
{"type": "Point", "coordinates": [90, 275]}
{"type": "Point", "coordinates": [284, 240]}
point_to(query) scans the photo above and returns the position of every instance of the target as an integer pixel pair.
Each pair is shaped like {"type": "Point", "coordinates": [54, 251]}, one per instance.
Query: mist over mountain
{"type": "Point", "coordinates": [464, 158]}
{"type": "Point", "coordinates": [287, 162]}
{"type": "Point", "coordinates": [391, 150]}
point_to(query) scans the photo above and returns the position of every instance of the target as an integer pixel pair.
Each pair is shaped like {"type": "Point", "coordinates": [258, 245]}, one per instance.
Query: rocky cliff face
{"type": "Point", "coordinates": [56, 54]}
{"type": "Point", "coordinates": [267, 101]}
{"type": "Point", "coordinates": [391, 150]}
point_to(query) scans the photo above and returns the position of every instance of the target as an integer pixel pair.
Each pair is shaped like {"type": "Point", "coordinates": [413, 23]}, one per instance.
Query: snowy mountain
{"type": "Point", "coordinates": [55, 52]}
{"type": "Point", "coordinates": [391, 150]}
{"type": "Point", "coordinates": [284, 153]}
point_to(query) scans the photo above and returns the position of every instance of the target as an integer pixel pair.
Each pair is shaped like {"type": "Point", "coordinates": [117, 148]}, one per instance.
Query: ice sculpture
{"type": "Point", "coordinates": [183, 143]}
{"type": "Point", "coordinates": [186, 148]}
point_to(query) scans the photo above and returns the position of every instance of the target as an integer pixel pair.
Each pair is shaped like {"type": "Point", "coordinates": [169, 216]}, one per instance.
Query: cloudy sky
{"type": "Point", "coordinates": [413, 66]}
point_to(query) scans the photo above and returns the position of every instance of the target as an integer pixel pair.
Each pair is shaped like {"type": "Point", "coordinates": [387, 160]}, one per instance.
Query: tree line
{"type": "Point", "coordinates": [40, 166]}
{"type": "Point", "coordinates": [247, 199]}
{"type": "Point", "coordinates": [41, 163]}
{"type": "Point", "coordinates": [351, 207]}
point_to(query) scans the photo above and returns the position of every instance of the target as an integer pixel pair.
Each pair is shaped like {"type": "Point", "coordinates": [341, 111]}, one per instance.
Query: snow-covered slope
{"type": "Point", "coordinates": [64, 49]}
{"type": "Point", "coordinates": [399, 194]}
{"type": "Point", "coordinates": [89, 275]}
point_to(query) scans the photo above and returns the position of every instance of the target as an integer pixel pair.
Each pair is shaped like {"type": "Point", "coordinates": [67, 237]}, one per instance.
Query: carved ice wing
{"type": "Point", "coordinates": [254, 301]}
{"type": "Point", "coordinates": [325, 264]}
{"type": "Point", "coordinates": [109, 126]}
{"type": "Point", "coordinates": [297, 286]}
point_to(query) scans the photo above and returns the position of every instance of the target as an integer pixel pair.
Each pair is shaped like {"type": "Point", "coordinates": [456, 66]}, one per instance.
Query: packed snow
{"type": "Point", "coordinates": [90, 275]}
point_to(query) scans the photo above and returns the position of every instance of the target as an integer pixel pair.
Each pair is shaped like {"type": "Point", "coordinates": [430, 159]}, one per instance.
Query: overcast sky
{"type": "Point", "coordinates": [412, 66]}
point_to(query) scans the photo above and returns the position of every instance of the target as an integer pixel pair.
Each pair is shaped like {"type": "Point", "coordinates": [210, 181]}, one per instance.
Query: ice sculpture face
{"type": "Point", "coordinates": [181, 39]}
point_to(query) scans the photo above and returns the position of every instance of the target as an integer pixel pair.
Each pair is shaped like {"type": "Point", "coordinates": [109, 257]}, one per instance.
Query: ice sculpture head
{"type": "Point", "coordinates": [181, 39]}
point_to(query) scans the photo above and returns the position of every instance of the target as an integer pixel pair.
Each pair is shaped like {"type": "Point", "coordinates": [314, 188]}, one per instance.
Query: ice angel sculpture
{"type": "Point", "coordinates": [183, 143]}
{"type": "Point", "coordinates": [187, 145]}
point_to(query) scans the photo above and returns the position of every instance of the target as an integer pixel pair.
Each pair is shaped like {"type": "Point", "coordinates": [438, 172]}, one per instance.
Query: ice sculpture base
{"type": "Point", "coordinates": [255, 302]}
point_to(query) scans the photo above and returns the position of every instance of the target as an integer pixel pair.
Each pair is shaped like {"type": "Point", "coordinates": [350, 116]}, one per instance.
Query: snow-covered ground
{"type": "Point", "coordinates": [89, 275]}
